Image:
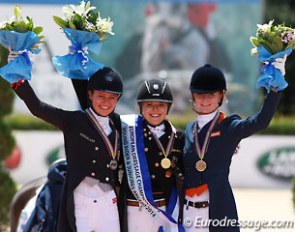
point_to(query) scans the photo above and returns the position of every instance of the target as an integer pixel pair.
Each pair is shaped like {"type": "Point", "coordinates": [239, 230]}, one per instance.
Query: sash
{"type": "Point", "coordinates": [138, 175]}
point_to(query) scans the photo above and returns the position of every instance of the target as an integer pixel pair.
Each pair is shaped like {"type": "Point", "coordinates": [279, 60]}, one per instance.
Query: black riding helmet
{"type": "Point", "coordinates": [107, 80]}
{"type": "Point", "coordinates": [154, 90]}
{"type": "Point", "coordinates": [207, 79]}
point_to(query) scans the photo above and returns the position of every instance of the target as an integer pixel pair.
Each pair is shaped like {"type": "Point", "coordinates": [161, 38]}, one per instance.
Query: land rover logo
{"type": "Point", "coordinates": [279, 162]}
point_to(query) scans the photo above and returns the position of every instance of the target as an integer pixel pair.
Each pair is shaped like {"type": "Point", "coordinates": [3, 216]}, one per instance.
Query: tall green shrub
{"type": "Point", "coordinates": [7, 144]}
{"type": "Point", "coordinates": [284, 12]}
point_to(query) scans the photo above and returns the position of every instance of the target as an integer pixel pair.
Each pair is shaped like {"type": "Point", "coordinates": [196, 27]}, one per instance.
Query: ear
{"type": "Point", "coordinates": [90, 93]}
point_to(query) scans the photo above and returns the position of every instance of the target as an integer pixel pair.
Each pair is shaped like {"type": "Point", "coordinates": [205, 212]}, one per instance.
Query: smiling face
{"type": "Point", "coordinates": [206, 103]}
{"type": "Point", "coordinates": [154, 112]}
{"type": "Point", "coordinates": [103, 103]}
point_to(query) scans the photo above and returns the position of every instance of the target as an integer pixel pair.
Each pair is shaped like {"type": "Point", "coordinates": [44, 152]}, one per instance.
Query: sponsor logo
{"type": "Point", "coordinates": [279, 162]}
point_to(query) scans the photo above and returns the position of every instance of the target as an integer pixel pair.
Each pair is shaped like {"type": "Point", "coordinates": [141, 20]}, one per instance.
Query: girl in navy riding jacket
{"type": "Point", "coordinates": [211, 141]}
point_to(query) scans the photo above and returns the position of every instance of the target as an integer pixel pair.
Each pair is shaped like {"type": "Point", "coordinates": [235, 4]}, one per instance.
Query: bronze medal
{"type": "Point", "coordinates": [201, 151]}
{"type": "Point", "coordinates": [113, 164]}
{"type": "Point", "coordinates": [165, 163]}
{"type": "Point", "coordinates": [201, 165]}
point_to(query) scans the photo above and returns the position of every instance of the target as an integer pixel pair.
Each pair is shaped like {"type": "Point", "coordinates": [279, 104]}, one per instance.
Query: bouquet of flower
{"type": "Point", "coordinates": [272, 42]}
{"type": "Point", "coordinates": [86, 30]}
{"type": "Point", "coordinates": [20, 36]}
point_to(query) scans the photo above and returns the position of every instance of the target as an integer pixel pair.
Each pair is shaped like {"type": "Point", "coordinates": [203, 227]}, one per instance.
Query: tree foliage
{"type": "Point", "coordinates": [284, 12]}
{"type": "Point", "coordinates": [7, 143]}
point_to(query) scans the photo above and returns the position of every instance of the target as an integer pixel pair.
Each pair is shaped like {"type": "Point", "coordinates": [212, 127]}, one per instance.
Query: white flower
{"type": "Point", "coordinates": [105, 25]}
{"type": "Point", "coordinates": [265, 27]}
{"type": "Point", "coordinates": [81, 9]}
{"type": "Point", "coordinates": [86, 18]}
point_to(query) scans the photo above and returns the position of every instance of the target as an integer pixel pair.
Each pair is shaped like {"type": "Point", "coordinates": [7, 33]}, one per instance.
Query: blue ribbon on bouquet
{"type": "Point", "coordinates": [21, 67]}
{"type": "Point", "coordinates": [271, 77]}
{"type": "Point", "coordinates": [78, 64]}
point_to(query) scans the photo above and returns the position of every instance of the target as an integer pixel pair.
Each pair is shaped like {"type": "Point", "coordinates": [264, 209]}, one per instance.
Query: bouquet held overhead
{"type": "Point", "coordinates": [83, 26]}
{"type": "Point", "coordinates": [21, 37]}
{"type": "Point", "coordinates": [272, 43]}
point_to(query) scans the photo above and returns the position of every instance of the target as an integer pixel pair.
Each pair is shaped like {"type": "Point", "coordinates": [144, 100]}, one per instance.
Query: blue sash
{"type": "Point", "coordinates": [138, 175]}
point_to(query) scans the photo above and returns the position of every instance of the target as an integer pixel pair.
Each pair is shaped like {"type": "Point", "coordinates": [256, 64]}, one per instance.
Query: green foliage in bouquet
{"type": "Point", "coordinates": [20, 24]}
{"type": "Point", "coordinates": [274, 38]}
{"type": "Point", "coordinates": [84, 17]}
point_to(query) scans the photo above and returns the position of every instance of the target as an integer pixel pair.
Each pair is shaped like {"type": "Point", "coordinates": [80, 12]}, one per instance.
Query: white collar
{"type": "Point", "coordinates": [103, 121]}
{"type": "Point", "coordinates": [158, 130]}
{"type": "Point", "coordinates": [203, 119]}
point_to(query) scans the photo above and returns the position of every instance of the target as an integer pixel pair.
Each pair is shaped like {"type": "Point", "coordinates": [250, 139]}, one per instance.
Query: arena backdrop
{"type": "Point", "coordinates": [167, 39]}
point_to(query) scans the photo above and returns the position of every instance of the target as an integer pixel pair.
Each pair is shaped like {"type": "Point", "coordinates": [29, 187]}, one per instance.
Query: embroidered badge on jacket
{"type": "Point", "coordinates": [87, 138]}
{"type": "Point", "coordinates": [215, 133]}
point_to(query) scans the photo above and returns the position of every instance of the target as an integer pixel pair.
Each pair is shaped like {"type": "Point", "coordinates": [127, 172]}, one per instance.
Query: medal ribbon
{"type": "Point", "coordinates": [111, 150]}
{"type": "Point", "coordinates": [201, 152]}
{"type": "Point", "coordinates": [168, 149]}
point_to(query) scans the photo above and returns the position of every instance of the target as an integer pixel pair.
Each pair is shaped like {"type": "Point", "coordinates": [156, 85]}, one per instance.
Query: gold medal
{"type": "Point", "coordinates": [201, 165]}
{"type": "Point", "coordinates": [165, 163]}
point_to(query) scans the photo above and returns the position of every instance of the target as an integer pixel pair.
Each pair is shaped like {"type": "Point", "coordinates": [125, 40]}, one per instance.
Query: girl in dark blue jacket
{"type": "Point", "coordinates": [211, 141]}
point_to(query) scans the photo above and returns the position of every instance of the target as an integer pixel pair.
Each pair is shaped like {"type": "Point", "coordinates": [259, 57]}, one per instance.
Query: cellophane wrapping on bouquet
{"type": "Point", "coordinates": [86, 29]}
{"type": "Point", "coordinates": [78, 64]}
{"type": "Point", "coordinates": [21, 36]}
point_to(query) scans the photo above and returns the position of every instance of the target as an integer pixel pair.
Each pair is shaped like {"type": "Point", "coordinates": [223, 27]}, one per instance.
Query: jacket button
{"type": "Point", "coordinates": [94, 161]}
{"type": "Point", "coordinates": [107, 178]}
{"type": "Point", "coordinates": [153, 176]}
{"type": "Point", "coordinates": [146, 149]}
{"type": "Point", "coordinates": [92, 173]}
{"type": "Point", "coordinates": [96, 148]}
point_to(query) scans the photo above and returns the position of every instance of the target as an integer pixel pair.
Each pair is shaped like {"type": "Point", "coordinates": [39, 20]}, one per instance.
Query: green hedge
{"type": "Point", "coordinates": [281, 126]}
{"type": "Point", "coordinates": [27, 122]}
{"type": "Point", "coordinates": [278, 126]}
